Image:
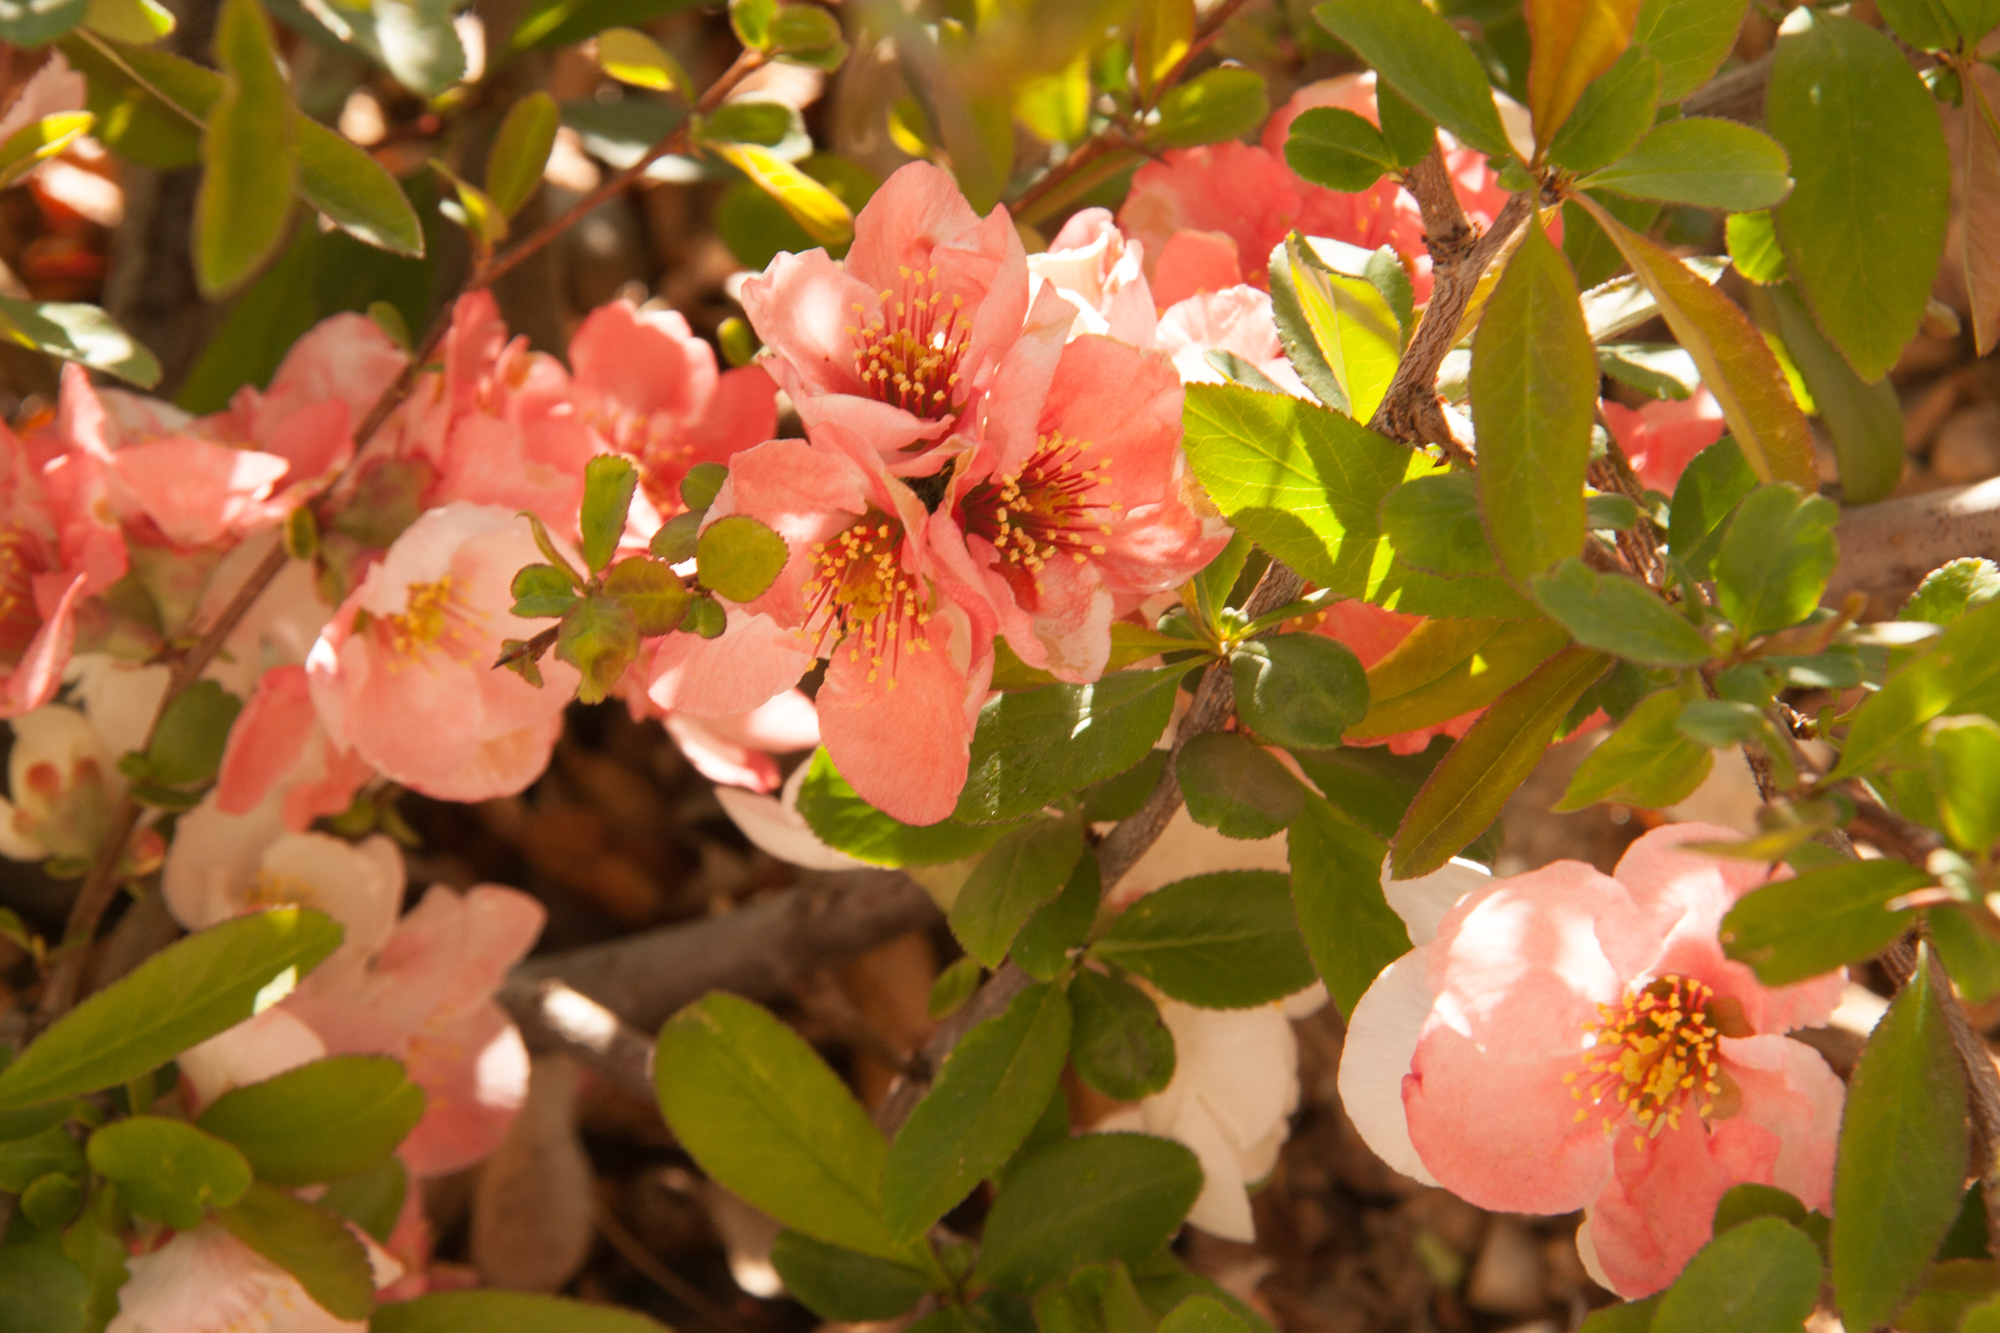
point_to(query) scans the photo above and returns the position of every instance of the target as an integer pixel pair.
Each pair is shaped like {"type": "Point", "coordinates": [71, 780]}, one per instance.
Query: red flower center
{"type": "Point", "coordinates": [908, 354]}
{"type": "Point", "coordinates": [432, 621]}
{"type": "Point", "coordinates": [858, 595]}
{"type": "Point", "coordinates": [1652, 1055]}
{"type": "Point", "coordinates": [1045, 511]}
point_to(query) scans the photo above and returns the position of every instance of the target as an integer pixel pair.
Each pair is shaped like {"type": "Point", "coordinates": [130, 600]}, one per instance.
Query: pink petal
{"type": "Point", "coordinates": [1193, 262]}
{"type": "Point", "coordinates": [267, 740]}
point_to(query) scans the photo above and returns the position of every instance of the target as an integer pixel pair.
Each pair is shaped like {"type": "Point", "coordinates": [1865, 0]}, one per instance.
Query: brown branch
{"type": "Point", "coordinates": [1887, 548]}
{"type": "Point", "coordinates": [100, 887]}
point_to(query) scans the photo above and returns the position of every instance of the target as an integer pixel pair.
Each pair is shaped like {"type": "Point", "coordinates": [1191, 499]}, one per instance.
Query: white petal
{"type": "Point", "coordinates": [1586, 1250]}
{"type": "Point", "coordinates": [1381, 1043]}
{"type": "Point", "coordinates": [1223, 1206]}
{"type": "Point", "coordinates": [1422, 902]}
{"type": "Point", "coordinates": [781, 832]}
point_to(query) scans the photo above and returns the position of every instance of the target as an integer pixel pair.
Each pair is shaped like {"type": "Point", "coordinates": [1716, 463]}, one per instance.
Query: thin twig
{"type": "Point", "coordinates": [635, 1253]}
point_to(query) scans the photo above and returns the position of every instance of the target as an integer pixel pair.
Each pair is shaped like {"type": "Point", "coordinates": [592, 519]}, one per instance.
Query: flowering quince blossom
{"type": "Point", "coordinates": [1097, 269]}
{"type": "Point", "coordinates": [909, 648]}
{"type": "Point", "coordinates": [735, 750]}
{"type": "Point", "coordinates": [903, 339]}
{"type": "Point", "coordinates": [1072, 509]}
{"type": "Point", "coordinates": [1662, 438]}
{"type": "Point", "coordinates": [207, 1281]}
{"type": "Point", "coordinates": [650, 390]}
{"type": "Point", "coordinates": [63, 786]}
{"type": "Point", "coordinates": [1567, 1039]}
{"type": "Point", "coordinates": [499, 424]}
{"type": "Point", "coordinates": [402, 674]}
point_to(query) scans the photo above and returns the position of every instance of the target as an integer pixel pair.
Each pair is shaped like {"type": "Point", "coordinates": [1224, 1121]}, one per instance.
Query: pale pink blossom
{"type": "Point", "coordinates": [1237, 320]}
{"type": "Point", "coordinates": [207, 1281]}
{"type": "Point", "coordinates": [63, 784]}
{"type": "Point", "coordinates": [907, 335]}
{"type": "Point", "coordinates": [908, 647]}
{"type": "Point", "coordinates": [650, 390]}
{"type": "Point", "coordinates": [1515, 1056]}
{"type": "Point", "coordinates": [403, 674]}
{"type": "Point", "coordinates": [1075, 504]}
{"type": "Point", "coordinates": [426, 997]}
{"type": "Point", "coordinates": [1097, 270]}
{"type": "Point", "coordinates": [499, 423]}
{"type": "Point", "coordinates": [1661, 438]}
{"type": "Point", "coordinates": [738, 750]}
{"type": "Point", "coordinates": [774, 826]}
{"type": "Point", "coordinates": [49, 91]}
{"type": "Point", "coordinates": [260, 1047]}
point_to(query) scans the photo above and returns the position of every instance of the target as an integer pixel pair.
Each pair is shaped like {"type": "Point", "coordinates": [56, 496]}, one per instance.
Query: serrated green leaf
{"type": "Point", "coordinates": [1022, 871]}
{"type": "Point", "coordinates": [322, 1121]}
{"type": "Point", "coordinates": [40, 1288]}
{"type": "Point", "coordinates": [1775, 559]}
{"type": "Point", "coordinates": [1103, 1196]}
{"type": "Point", "coordinates": [1647, 762]}
{"type": "Point", "coordinates": [311, 1244]}
{"type": "Point", "coordinates": [80, 333]}
{"type": "Point", "coordinates": [842, 1284]}
{"type": "Point", "coordinates": [651, 591]}
{"type": "Point", "coordinates": [1349, 928]}
{"type": "Point", "coordinates": [1960, 674]}
{"type": "Point", "coordinates": [1223, 103]}
{"type": "Point", "coordinates": [1619, 615]}
{"type": "Point", "coordinates": [1334, 147]}
{"type": "Point", "coordinates": [1033, 746]}
{"type": "Point", "coordinates": [599, 636]}
{"type": "Point", "coordinates": [1571, 43]}
{"type": "Point", "coordinates": [1446, 668]}
{"type": "Point", "coordinates": [1761, 1277]}
{"type": "Point", "coordinates": [609, 481]}
{"type": "Point", "coordinates": [1423, 58]}
{"type": "Point", "coordinates": [1233, 785]}
{"type": "Point", "coordinates": [1614, 111]}
{"type": "Point", "coordinates": [168, 1170]}
{"type": "Point", "coordinates": [845, 822]}
{"type": "Point", "coordinates": [1219, 941]}
{"type": "Point", "coordinates": [541, 591]}
{"type": "Point", "coordinates": [1809, 925]}
{"type": "Point", "coordinates": [1299, 689]}
{"type": "Point", "coordinates": [738, 557]}
{"type": "Point", "coordinates": [1121, 1046]}
{"type": "Point", "coordinates": [1690, 39]}
{"type": "Point", "coordinates": [1701, 160]}
{"type": "Point", "coordinates": [1865, 420]}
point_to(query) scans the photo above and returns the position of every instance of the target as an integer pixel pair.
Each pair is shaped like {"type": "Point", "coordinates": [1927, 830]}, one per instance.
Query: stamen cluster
{"type": "Point", "coordinates": [432, 619]}
{"type": "Point", "coordinates": [1651, 1056]}
{"type": "Point", "coordinates": [861, 598]}
{"type": "Point", "coordinates": [908, 354]}
{"type": "Point", "coordinates": [1044, 511]}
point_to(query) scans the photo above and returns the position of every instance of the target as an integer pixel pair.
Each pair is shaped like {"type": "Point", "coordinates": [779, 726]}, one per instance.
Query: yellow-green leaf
{"type": "Point", "coordinates": [1573, 41]}
{"type": "Point", "coordinates": [40, 140]}
{"type": "Point", "coordinates": [631, 57]}
{"type": "Point", "coordinates": [813, 206]}
{"type": "Point", "coordinates": [250, 152]}
{"type": "Point", "coordinates": [521, 151]}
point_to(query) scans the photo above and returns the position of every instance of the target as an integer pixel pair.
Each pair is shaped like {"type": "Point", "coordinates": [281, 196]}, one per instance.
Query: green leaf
{"type": "Point", "coordinates": [1965, 768]}
{"type": "Point", "coordinates": [825, 217]}
{"type": "Point", "coordinates": [520, 152]}
{"type": "Point", "coordinates": [953, 987]}
{"type": "Point", "coordinates": [355, 191]}
{"type": "Point", "coordinates": [372, 1200]}
{"type": "Point", "coordinates": [1647, 762]}
{"type": "Point", "coordinates": [1619, 615]}
{"type": "Point", "coordinates": [988, 1095]}
{"type": "Point", "coordinates": [551, 23]}
{"type": "Point", "coordinates": [1748, 1202]}
{"type": "Point", "coordinates": [412, 39]}
{"type": "Point", "coordinates": [1701, 160]}
{"type": "Point", "coordinates": [1865, 420]}
{"type": "Point", "coordinates": [311, 1244]}
{"type": "Point", "coordinates": [38, 141]}
{"type": "Point", "coordinates": [1873, 179]}
{"type": "Point", "coordinates": [845, 822]}
{"type": "Point", "coordinates": [738, 557]}
{"type": "Point", "coordinates": [1122, 1048]}
{"type": "Point", "coordinates": [51, 1201]}
{"type": "Point", "coordinates": [40, 1289]}
{"type": "Point", "coordinates": [1704, 500]}
{"type": "Point", "coordinates": [1465, 791]}
{"type": "Point", "coordinates": [187, 744]}
{"type": "Point", "coordinates": [1334, 147]}
{"type": "Point", "coordinates": [1903, 1156]}
{"type": "Point", "coordinates": [1736, 364]}
{"type": "Point", "coordinates": [1446, 668]}
{"type": "Point", "coordinates": [1296, 332]}
{"type": "Point", "coordinates": [1220, 941]}
{"type": "Point", "coordinates": [140, 21]}
{"type": "Point", "coordinates": [169, 1170]}
{"type": "Point", "coordinates": [505, 1312]}
{"type": "Point", "coordinates": [808, 35]}
{"type": "Point", "coordinates": [1409, 133]}
{"type": "Point", "coordinates": [599, 636]}
{"type": "Point", "coordinates": [631, 57]}
{"type": "Point", "coordinates": [1615, 110]}
{"type": "Point", "coordinates": [1690, 39]}
{"type": "Point", "coordinates": [1102, 1196]}
{"type": "Point", "coordinates": [1534, 392]}
{"type": "Point", "coordinates": [1921, 23]}
{"type": "Point", "coordinates": [1235, 787]}
{"type": "Point", "coordinates": [1754, 248]}
{"type": "Point", "coordinates": [1306, 484]}
{"type": "Point", "coordinates": [836, 1283]}
{"type": "Point", "coordinates": [1425, 60]}
{"type": "Point", "coordinates": [94, 1247]}
{"type": "Point", "coordinates": [1434, 524]}
{"type": "Point", "coordinates": [32, 1156]}
{"type": "Point", "coordinates": [1761, 1277]}
{"type": "Point", "coordinates": [1571, 43]}
{"type": "Point", "coordinates": [1624, 1317]}
{"type": "Point", "coordinates": [1299, 689]}
{"type": "Point", "coordinates": [541, 591]}
{"type": "Point", "coordinates": [186, 993]}
{"type": "Point", "coordinates": [33, 22]}
{"type": "Point", "coordinates": [763, 1114]}
{"type": "Point", "coordinates": [1659, 370]}
{"type": "Point", "coordinates": [1811, 924]}
{"type": "Point", "coordinates": [80, 333]}
{"type": "Point", "coordinates": [651, 591]}
{"type": "Point", "coordinates": [1223, 103]}
{"type": "Point", "coordinates": [608, 483]}
{"type": "Point", "coordinates": [1033, 746]}
{"type": "Point", "coordinates": [1775, 559]}
{"type": "Point", "coordinates": [1351, 323]}
{"type": "Point", "coordinates": [322, 1121]}
{"type": "Point", "coordinates": [1975, 18]}
{"type": "Point", "coordinates": [1202, 1314]}
{"type": "Point", "coordinates": [250, 152]}
{"type": "Point", "coordinates": [1042, 948]}
{"type": "Point", "coordinates": [1023, 870]}
{"type": "Point", "coordinates": [1952, 589]}
{"type": "Point", "coordinates": [1349, 928]}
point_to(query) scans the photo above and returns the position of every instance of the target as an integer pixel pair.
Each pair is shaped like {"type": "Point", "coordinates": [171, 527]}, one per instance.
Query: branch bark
{"type": "Point", "coordinates": [1887, 548]}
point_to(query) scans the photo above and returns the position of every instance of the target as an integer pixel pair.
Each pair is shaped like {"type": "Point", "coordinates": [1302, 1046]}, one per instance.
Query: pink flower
{"type": "Point", "coordinates": [736, 750]}
{"type": "Point", "coordinates": [427, 998]}
{"type": "Point", "coordinates": [1464, 1065]}
{"type": "Point", "coordinates": [207, 1281]}
{"type": "Point", "coordinates": [649, 389]}
{"type": "Point", "coordinates": [57, 548]}
{"type": "Point", "coordinates": [908, 647]}
{"type": "Point", "coordinates": [500, 423]}
{"type": "Point", "coordinates": [278, 744]}
{"type": "Point", "coordinates": [1100, 272]}
{"type": "Point", "coordinates": [51, 90]}
{"type": "Point", "coordinates": [1237, 320]}
{"type": "Point", "coordinates": [1062, 516]}
{"type": "Point", "coordinates": [403, 674]}
{"type": "Point", "coordinates": [1237, 189]}
{"type": "Point", "coordinates": [1662, 438]}
{"type": "Point", "coordinates": [899, 342]}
